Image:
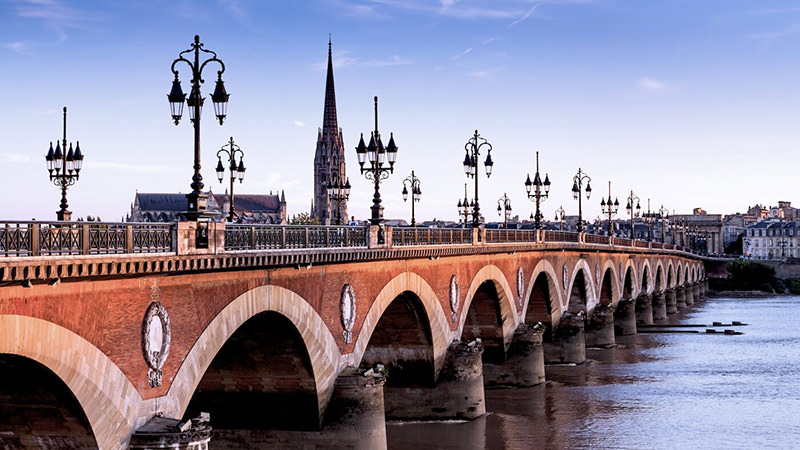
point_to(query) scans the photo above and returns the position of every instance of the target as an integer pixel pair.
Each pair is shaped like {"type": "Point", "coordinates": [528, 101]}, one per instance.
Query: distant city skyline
{"type": "Point", "coordinates": [688, 104]}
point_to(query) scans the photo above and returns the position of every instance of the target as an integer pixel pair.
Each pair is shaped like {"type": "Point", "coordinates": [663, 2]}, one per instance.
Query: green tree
{"type": "Point", "coordinates": [751, 275]}
{"type": "Point", "coordinates": [303, 218]}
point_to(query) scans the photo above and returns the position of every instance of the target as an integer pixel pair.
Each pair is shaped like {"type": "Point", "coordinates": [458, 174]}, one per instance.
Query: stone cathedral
{"type": "Point", "coordinates": [329, 165]}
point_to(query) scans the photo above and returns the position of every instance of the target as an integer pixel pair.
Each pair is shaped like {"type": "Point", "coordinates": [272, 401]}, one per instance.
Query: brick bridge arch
{"type": "Point", "coordinates": [646, 279]}
{"type": "Point", "coordinates": [105, 394]}
{"type": "Point", "coordinates": [317, 338]}
{"type": "Point", "coordinates": [441, 334]}
{"type": "Point", "coordinates": [616, 287]}
{"type": "Point", "coordinates": [556, 295]}
{"type": "Point", "coordinates": [508, 311]}
{"type": "Point", "coordinates": [589, 286]}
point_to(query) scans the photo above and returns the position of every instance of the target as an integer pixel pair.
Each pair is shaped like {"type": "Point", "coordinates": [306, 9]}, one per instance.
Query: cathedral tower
{"type": "Point", "coordinates": [329, 158]}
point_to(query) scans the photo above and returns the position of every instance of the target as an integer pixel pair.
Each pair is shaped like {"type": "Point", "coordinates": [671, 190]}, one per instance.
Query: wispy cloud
{"type": "Point", "coordinates": [482, 73]}
{"type": "Point", "coordinates": [298, 123]}
{"type": "Point", "coordinates": [772, 35]}
{"type": "Point", "coordinates": [124, 167]}
{"type": "Point", "coordinates": [464, 53]}
{"type": "Point", "coordinates": [650, 84]}
{"type": "Point", "coordinates": [525, 16]}
{"type": "Point", "coordinates": [488, 41]}
{"type": "Point", "coordinates": [234, 9]}
{"type": "Point", "coordinates": [16, 47]}
{"type": "Point", "coordinates": [342, 61]}
{"type": "Point", "coordinates": [58, 16]}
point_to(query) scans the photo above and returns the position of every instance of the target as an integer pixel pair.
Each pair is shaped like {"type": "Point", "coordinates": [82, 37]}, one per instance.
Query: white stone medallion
{"type": "Point", "coordinates": [348, 312]}
{"type": "Point", "coordinates": [520, 284]}
{"type": "Point", "coordinates": [156, 337]}
{"type": "Point", "coordinates": [453, 297]}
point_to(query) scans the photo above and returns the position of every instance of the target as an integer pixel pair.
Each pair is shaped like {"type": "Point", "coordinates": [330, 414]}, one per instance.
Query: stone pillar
{"type": "Point", "coordinates": [163, 432]}
{"type": "Point", "coordinates": [566, 343]}
{"type": "Point", "coordinates": [659, 306]}
{"type": "Point", "coordinates": [625, 317]}
{"type": "Point", "coordinates": [704, 288]}
{"type": "Point", "coordinates": [672, 302]}
{"type": "Point", "coordinates": [689, 289]}
{"type": "Point", "coordinates": [696, 290]}
{"type": "Point", "coordinates": [600, 327]}
{"type": "Point", "coordinates": [355, 416]}
{"type": "Point", "coordinates": [524, 364]}
{"type": "Point", "coordinates": [457, 393]}
{"type": "Point", "coordinates": [644, 309]}
{"type": "Point", "coordinates": [680, 298]}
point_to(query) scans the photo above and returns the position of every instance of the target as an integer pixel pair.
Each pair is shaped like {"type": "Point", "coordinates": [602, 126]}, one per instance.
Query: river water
{"type": "Point", "coordinates": [653, 391]}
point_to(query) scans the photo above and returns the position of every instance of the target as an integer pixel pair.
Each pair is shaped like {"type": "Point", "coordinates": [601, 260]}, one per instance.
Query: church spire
{"type": "Point", "coordinates": [330, 126]}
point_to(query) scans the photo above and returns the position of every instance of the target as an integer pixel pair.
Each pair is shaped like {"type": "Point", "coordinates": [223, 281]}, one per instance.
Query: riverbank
{"type": "Point", "coordinates": [741, 294]}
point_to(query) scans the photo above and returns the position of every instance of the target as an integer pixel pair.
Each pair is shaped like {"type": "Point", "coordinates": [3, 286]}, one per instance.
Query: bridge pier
{"type": "Point", "coordinates": [457, 393]}
{"type": "Point", "coordinates": [355, 417]}
{"type": "Point", "coordinates": [644, 309]}
{"type": "Point", "coordinates": [600, 327]}
{"type": "Point", "coordinates": [680, 297]}
{"type": "Point", "coordinates": [671, 301]}
{"type": "Point", "coordinates": [659, 306]}
{"type": "Point", "coordinates": [524, 364]}
{"type": "Point", "coordinates": [625, 317]}
{"type": "Point", "coordinates": [689, 295]}
{"type": "Point", "coordinates": [163, 432]}
{"type": "Point", "coordinates": [567, 343]}
{"type": "Point", "coordinates": [696, 289]}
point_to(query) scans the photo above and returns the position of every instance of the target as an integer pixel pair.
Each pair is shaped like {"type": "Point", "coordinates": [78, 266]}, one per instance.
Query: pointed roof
{"type": "Point", "coordinates": [330, 126]}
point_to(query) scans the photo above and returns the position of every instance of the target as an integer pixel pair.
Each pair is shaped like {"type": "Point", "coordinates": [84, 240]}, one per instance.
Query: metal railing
{"type": "Point", "coordinates": [30, 238]}
{"type": "Point", "coordinates": [503, 235]}
{"type": "Point", "coordinates": [561, 236]}
{"type": "Point", "coordinates": [274, 237]}
{"type": "Point", "coordinates": [407, 236]}
{"type": "Point", "coordinates": [596, 239]}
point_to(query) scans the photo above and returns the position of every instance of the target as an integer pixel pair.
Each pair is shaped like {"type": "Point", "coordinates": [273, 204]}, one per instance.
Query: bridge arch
{"type": "Point", "coordinates": [581, 289]}
{"type": "Point", "coordinates": [670, 275]}
{"type": "Point", "coordinates": [660, 279]}
{"type": "Point", "coordinates": [686, 279]}
{"type": "Point", "coordinates": [406, 282]}
{"type": "Point", "coordinates": [508, 312]}
{"type": "Point", "coordinates": [630, 287]}
{"type": "Point", "coordinates": [105, 394]}
{"type": "Point", "coordinates": [320, 345]}
{"type": "Point", "coordinates": [612, 284]}
{"type": "Point", "coordinates": [646, 281]}
{"type": "Point", "coordinates": [543, 298]}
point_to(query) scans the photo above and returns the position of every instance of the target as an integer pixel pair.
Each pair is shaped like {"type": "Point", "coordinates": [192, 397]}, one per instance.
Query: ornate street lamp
{"type": "Point", "coordinates": [610, 209]}
{"type": "Point", "coordinates": [560, 215]}
{"type": "Point", "coordinates": [416, 193]}
{"type": "Point", "coordinates": [538, 191]}
{"type": "Point", "coordinates": [504, 208]}
{"type": "Point", "coordinates": [64, 167]}
{"type": "Point", "coordinates": [338, 192]}
{"type": "Point", "coordinates": [465, 207]}
{"type": "Point", "coordinates": [473, 151]}
{"type": "Point", "coordinates": [197, 200]}
{"type": "Point", "coordinates": [649, 220]}
{"type": "Point", "coordinates": [237, 170]}
{"type": "Point", "coordinates": [577, 186]}
{"type": "Point", "coordinates": [663, 214]}
{"type": "Point", "coordinates": [633, 212]}
{"type": "Point", "coordinates": [378, 157]}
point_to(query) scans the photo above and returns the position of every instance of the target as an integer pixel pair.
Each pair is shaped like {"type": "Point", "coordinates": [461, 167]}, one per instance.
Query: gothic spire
{"type": "Point", "coordinates": [330, 126]}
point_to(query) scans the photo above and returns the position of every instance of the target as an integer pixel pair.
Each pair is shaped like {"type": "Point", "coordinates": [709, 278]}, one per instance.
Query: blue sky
{"type": "Point", "coordinates": [690, 103]}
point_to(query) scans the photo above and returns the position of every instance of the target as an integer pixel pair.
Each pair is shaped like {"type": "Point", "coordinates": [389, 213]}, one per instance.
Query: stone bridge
{"type": "Point", "coordinates": [116, 335]}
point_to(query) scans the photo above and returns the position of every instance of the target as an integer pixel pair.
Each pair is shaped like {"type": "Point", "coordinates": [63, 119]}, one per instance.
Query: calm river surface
{"type": "Point", "coordinates": [653, 391]}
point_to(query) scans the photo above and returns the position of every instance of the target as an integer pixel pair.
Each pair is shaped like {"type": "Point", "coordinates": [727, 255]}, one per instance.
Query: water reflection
{"type": "Point", "coordinates": [652, 391]}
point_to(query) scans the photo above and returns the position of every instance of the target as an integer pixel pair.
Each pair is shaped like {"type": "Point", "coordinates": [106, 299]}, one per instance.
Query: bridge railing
{"type": "Point", "coordinates": [561, 236]}
{"type": "Point", "coordinates": [503, 235]}
{"type": "Point", "coordinates": [274, 237]}
{"type": "Point", "coordinates": [596, 239]}
{"type": "Point", "coordinates": [30, 238]}
{"type": "Point", "coordinates": [406, 236]}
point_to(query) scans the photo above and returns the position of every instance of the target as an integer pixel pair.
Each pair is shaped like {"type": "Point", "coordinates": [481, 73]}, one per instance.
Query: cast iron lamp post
{"type": "Point", "coordinates": [197, 200]}
{"type": "Point", "coordinates": [649, 221]}
{"type": "Point", "coordinates": [610, 209]}
{"type": "Point", "coordinates": [338, 192]}
{"type": "Point", "coordinates": [473, 150]}
{"type": "Point", "coordinates": [416, 192]}
{"type": "Point", "coordinates": [465, 207]}
{"type": "Point", "coordinates": [64, 168]}
{"type": "Point", "coordinates": [378, 156]}
{"type": "Point", "coordinates": [237, 170]}
{"type": "Point", "coordinates": [504, 208]}
{"type": "Point", "coordinates": [633, 212]}
{"type": "Point", "coordinates": [663, 214]}
{"type": "Point", "coordinates": [577, 186]}
{"type": "Point", "coordinates": [560, 215]}
{"type": "Point", "coordinates": [538, 191]}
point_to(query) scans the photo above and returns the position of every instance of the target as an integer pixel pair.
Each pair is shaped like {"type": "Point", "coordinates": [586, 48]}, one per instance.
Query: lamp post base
{"type": "Point", "coordinates": [64, 215]}
{"type": "Point", "coordinates": [197, 205]}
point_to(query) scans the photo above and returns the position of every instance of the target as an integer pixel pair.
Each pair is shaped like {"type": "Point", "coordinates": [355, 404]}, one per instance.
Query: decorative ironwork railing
{"type": "Point", "coordinates": [273, 237]}
{"type": "Point", "coordinates": [641, 244]}
{"type": "Point", "coordinates": [30, 238]}
{"type": "Point", "coordinates": [596, 239]}
{"type": "Point", "coordinates": [502, 235]}
{"type": "Point", "coordinates": [560, 236]}
{"type": "Point", "coordinates": [405, 236]}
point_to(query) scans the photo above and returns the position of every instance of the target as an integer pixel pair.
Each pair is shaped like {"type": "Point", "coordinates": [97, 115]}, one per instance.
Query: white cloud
{"type": "Point", "coordinates": [58, 16]}
{"type": "Point", "coordinates": [17, 47]}
{"type": "Point", "coordinates": [124, 167]}
{"type": "Point", "coordinates": [234, 9]}
{"type": "Point", "coordinates": [298, 123]}
{"type": "Point", "coordinates": [525, 16]}
{"type": "Point", "coordinates": [342, 60]}
{"type": "Point", "coordinates": [772, 35]}
{"type": "Point", "coordinates": [464, 53]}
{"type": "Point", "coordinates": [651, 84]}
{"type": "Point", "coordinates": [15, 157]}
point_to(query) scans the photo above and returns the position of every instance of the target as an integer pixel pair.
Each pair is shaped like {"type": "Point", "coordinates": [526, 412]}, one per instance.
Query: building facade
{"type": "Point", "coordinates": [329, 160]}
{"type": "Point", "coordinates": [772, 239]}
{"type": "Point", "coordinates": [249, 208]}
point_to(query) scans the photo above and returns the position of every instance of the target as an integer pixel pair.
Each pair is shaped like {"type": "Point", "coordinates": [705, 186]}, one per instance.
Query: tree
{"type": "Point", "coordinates": [303, 218]}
